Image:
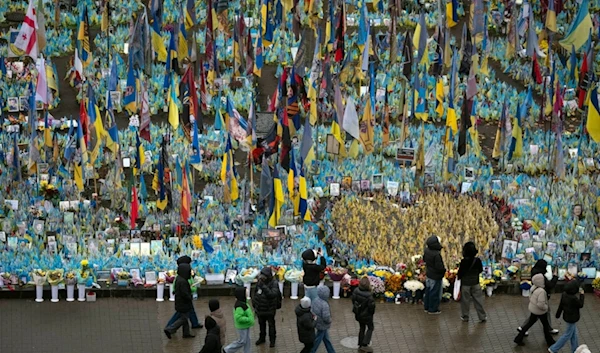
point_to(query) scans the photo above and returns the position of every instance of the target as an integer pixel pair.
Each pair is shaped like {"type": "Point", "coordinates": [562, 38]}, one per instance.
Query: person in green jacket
{"type": "Point", "coordinates": [243, 319]}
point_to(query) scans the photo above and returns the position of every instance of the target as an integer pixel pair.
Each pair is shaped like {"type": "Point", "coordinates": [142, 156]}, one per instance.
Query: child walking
{"type": "Point", "coordinates": [320, 307]}
{"type": "Point", "coordinates": [243, 319]}
{"type": "Point", "coordinates": [305, 321]}
{"type": "Point", "coordinates": [569, 306]}
{"type": "Point", "coordinates": [538, 307]}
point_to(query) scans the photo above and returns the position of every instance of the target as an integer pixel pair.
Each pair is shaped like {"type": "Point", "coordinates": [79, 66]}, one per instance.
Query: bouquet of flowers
{"type": "Point", "coordinates": [293, 275]}
{"type": "Point", "coordinates": [445, 283]}
{"type": "Point", "coordinates": [279, 273]}
{"type": "Point", "coordinates": [581, 276]}
{"type": "Point", "coordinates": [414, 285]}
{"type": "Point", "coordinates": [71, 278]}
{"type": "Point", "coordinates": [497, 274]}
{"type": "Point", "coordinates": [394, 283]}
{"type": "Point", "coordinates": [39, 277]}
{"type": "Point", "coordinates": [389, 296]}
{"type": "Point", "coordinates": [248, 274]}
{"type": "Point", "coordinates": [123, 275]}
{"type": "Point", "coordinates": [6, 278]}
{"type": "Point", "coordinates": [377, 285]}
{"type": "Point", "coordinates": [56, 277]}
{"type": "Point", "coordinates": [451, 275]}
{"type": "Point", "coordinates": [170, 276]}
{"type": "Point", "coordinates": [525, 285]}
{"type": "Point", "coordinates": [512, 270]}
{"type": "Point", "coordinates": [49, 191]}
{"type": "Point", "coordinates": [596, 283]}
{"type": "Point", "coordinates": [337, 273]}
{"type": "Point", "coordinates": [486, 282]}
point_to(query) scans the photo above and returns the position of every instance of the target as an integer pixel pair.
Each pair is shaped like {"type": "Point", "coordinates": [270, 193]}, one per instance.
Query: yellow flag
{"type": "Point", "coordinates": [366, 129]}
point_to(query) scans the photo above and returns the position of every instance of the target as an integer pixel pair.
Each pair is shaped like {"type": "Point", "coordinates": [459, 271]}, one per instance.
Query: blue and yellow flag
{"type": "Point", "coordinates": [140, 156]}
{"type": "Point", "coordinates": [80, 159]}
{"type": "Point", "coordinates": [157, 42]}
{"type": "Point", "coordinates": [439, 95]}
{"type": "Point", "coordinates": [420, 38]}
{"type": "Point", "coordinates": [130, 96]}
{"type": "Point", "coordinates": [112, 134]}
{"type": "Point", "coordinates": [277, 199]}
{"type": "Point", "coordinates": [593, 118]}
{"type": "Point", "coordinates": [83, 37]}
{"type": "Point", "coordinates": [173, 108]}
{"type": "Point", "coordinates": [258, 56]}
{"type": "Point", "coordinates": [303, 191]}
{"type": "Point", "coordinates": [516, 143]}
{"type": "Point", "coordinates": [162, 200]}
{"type": "Point", "coordinates": [451, 13]}
{"type": "Point", "coordinates": [182, 44]}
{"type": "Point", "coordinates": [190, 14]}
{"type": "Point", "coordinates": [228, 173]}
{"type": "Point", "coordinates": [580, 28]}
{"type": "Point", "coordinates": [291, 182]}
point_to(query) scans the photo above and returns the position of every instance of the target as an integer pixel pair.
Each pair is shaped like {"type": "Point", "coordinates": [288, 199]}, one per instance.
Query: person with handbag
{"type": "Point", "coordinates": [468, 275]}
{"type": "Point", "coordinates": [538, 307]}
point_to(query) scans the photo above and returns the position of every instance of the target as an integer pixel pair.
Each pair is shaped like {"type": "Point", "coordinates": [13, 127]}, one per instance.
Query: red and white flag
{"type": "Point", "coordinates": [27, 38]}
{"type": "Point", "coordinates": [41, 88]}
{"type": "Point", "coordinates": [78, 65]}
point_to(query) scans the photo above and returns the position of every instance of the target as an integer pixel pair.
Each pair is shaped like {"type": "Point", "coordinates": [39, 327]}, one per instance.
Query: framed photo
{"type": "Point", "coordinates": [365, 185]}
{"type": "Point", "coordinates": [525, 271]}
{"type": "Point", "coordinates": [230, 276]}
{"type": "Point", "coordinates": [585, 257]}
{"type": "Point", "coordinates": [571, 257]}
{"type": "Point", "coordinates": [551, 247]}
{"type": "Point", "coordinates": [347, 182]}
{"type": "Point", "coordinates": [572, 269]}
{"type": "Point", "coordinates": [548, 258]}
{"type": "Point", "coordinates": [334, 189]}
{"type": "Point", "coordinates": [333, 145]}
{"type": "Point", "coordinates": [525, 236]}
{"type": "Point", "coordinates": [150, 277]}
{"type": "Point", "coordinates": [469, 174]}
{"type": "Point", "coordinates": [23, 104]}
{"type": "Point", "coordinates": [115, 96]}
{"type": "Point", "coordinates": [579, 246]}
{"type": "Point", "coordinates": [537, 246]}
{"type": "Point", "coordinates": [229, 234]}
{"type": "Point", "coordinates": [282, 229]}
{"type": "Point", "coordinates": [356, 186]}
{"type": "Point", "coordinates": [256, 247]}
{"type": "Point", "coordinates": [13, 104]}
{"type": "Point", "coordinates": [405, 155]}
{"type": "Point", "coordinates": [392, 188]}
{"type": "Point", "coordinates": [377, 181]}
{"type": "Point", "coordinates": [509, 248]}
{"type": "Point", "coordinates": [218, 234]}
{"type": "Point", "coordinates": [589, 271]}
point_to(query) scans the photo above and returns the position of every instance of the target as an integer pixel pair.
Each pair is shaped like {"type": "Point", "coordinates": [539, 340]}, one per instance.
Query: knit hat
{"type": "Point", "coordinates": [305, 302]}
{"type": "Point", "coordinates": [213, 305]}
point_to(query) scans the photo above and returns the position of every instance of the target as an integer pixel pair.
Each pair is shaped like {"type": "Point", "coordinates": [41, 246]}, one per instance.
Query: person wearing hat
{"type": "Point", "coordinates": [212, 341]}
{"type": "Point", "coordinates": [217, 314]}
{"type": "Point", "coordinates": [243, 319]}
{"type": "Point", "coordinates": [266, 300]}
{"type": "Point", "coordinates": [306, 322]}
{"type": "Point", "coordinates": [541, 266]}
{"type": "Point", "coordinates": [183, 302]}
{"type": "Point", "coordinates": [312, 272]}
{"type": "Point", "coordinates": [192, 314]}
{"type": "Point", "coordinates": [435, 273]}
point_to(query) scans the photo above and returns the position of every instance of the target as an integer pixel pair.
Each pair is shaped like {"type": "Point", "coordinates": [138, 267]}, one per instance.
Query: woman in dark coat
{"type": "Point", "coordinates": [363, 307]}
{"type": "Point", "coordinates": [468, 272]}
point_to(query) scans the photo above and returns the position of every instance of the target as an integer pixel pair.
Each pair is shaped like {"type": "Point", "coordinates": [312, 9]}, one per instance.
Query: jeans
{"type": "Point", "coordinates": [192, 315]}
{"type": "Point", "coordinates": [364, 339]}
{"type": "Point", "coordinates": [262, 322]}
{"type": "Point", "coordinates": [181, 321]}
{"type": "Point", "coordinates": [307, 347]}
{"type": "Point", "coordinates": [242, 341]}
{"type": "Point", "coordinates": [311, 292]}
{"type": "Point", "coordinates": [532, 320]}
{"type": "Point", "coordinates": [433, 295]}
{"type": "Point", "coordinates": [475, 294]}
{"type": "Point", "coordinates": [322, 336]}
{"type": "Point", "coordinates": [569, 335]}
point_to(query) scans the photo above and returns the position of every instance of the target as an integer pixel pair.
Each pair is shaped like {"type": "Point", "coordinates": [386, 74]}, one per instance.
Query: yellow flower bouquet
{"type": "Point", "coordinates": [56, 277]}
{"type": "Point", "coordinates": [71, 278]}
{"type": "Point", "coordinates": [39, 277]}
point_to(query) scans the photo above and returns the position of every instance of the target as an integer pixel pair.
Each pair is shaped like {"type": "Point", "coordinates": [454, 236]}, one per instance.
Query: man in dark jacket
{"type": "Point", "coordinates": [468, 273]}
{"type": "Point", "coordinates": [183, 301]}
{"type": "Point", "coordinates": [363, 306]}
{"type": "Point", "coordinates": [306, 322]}
{"type": "Point", "coordinates": [312, 272]}
{"type": "Point", "coordinates": [541, 267]}
{"type": "Point", "coordinates": [569, 306]}
{"type": "Point", "coordinates": [212, 342]}
{"type": "Point", "coordinates": [435, 273]}
{"type": "Point", "coordinates": [192, 314]}
{"type": "Point", "coordinates": [266, 300]}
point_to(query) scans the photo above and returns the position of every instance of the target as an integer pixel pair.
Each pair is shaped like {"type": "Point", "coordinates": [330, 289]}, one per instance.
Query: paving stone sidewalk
{"type": "Point", "coordinates": [135, 325]}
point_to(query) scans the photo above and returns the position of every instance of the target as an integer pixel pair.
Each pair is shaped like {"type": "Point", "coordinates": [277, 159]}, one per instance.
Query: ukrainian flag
{"type": "Point", "coordinates": [182, 44]}
{"type": "Point", "coordinates": [420, 41]}
{"type": "Point", "coordinates": [83, 38]}
{"type": "Point", "coordinates": [451, 13]}
{"type": "Point", "coordinates": [292, 173]}
{"type": "Point", "coordinates": [228, 169]}
{"type": "Point", "coordinates": [82, 161]}
{"type": "Point", "coordinates": [130, 96]}
{"type": "Point", "coordinates": [173, 108]}
{"type": "Point", "coordinates": [157, 42]}
{"type": "Point", "coordinates": [516, 144]}
{"type": "Point", "coordinates": [303, 204]}
{"type": "Point", "coordinates": [190, 14]}
{"type": "Point", "coordinates": [162, 200]}
{"type": "Point", "coordinates": [580, 28]}
{"type": "Point", "coordinates": [112, 135]}
{"type": "Point", "coordinates": [258, 58]}
{"type": "Point", "coordinates": [551, 17]}
{"type": "Point", "coordinates": [140, 158]}
{"type": "Point", "coordinates": [278, 199]}
{"type": "Point", "coordinates": [593, 118]}
{"type": "Point", "coordinates": [439, 95]}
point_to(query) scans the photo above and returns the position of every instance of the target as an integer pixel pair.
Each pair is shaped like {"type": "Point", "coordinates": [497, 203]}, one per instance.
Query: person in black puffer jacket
{"type": "Point", "coordinates": [468, 273]}
{"type": "Point", "coordinates": [541, 267]}
{"type": "Point", "coordinates": [312, 272]}
{"type": "Point", "coordinates": [306, 322]}
{"type": "Point", "coordinates": [363, 307]}
{"type": "Point", "coordinates": [212, 342]}
{"type": "Point", "coordinates": [435, 272]}
{"type": "Point", "coordinates": [266, 301]}
{"type": "Point", "coordinates": [569, 306]}
{"type": "Point", "coordinates": [183, 301]}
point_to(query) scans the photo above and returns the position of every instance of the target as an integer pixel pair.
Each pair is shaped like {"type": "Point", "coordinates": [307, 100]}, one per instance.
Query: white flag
{"type": "Point", "coordinates": [350, 123]}
{"type": "Point", "coordinates": [78, 65]}
{"type": "Point", "coordinates": [41, 88]}
{"type": "Point", "coordinates": [27, 38]}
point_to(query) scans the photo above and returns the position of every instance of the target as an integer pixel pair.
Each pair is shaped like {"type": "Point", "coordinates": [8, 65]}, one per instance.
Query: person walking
{"type": "Point", "coordinates": [468, 273]}
{"type": "Point", "coordinates": [212, 341]}
{"type": "Point", "coordinates": [192, 314]}
{"type": "Point", "coordinates": [312, 272]}
{"type": "Point", "coordinates": [538, 307]}
{"type": "Point", "coordinates": [217, 314]}
{"type": "Point", "coordinates": [541, 267]}
{"type": "Point", "coordinates": [266, 301]}
{"type": "Point", "coordinates": [435, 273]}
{"type": "Point", "coordinates": [569, 306]}
{"type": "Point", "coordinates": [320, 307]}
{"type": "Point", "coordinates": [306, 322]}
{"type": "Point", "coordinates": [243, 319]}
{"type": "Point", "coordinates": [183, 302]}
{"type": "Point", "coordinates": [363, 307]}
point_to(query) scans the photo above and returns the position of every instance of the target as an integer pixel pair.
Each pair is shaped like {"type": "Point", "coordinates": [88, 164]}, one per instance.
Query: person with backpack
{"type": "Point", "coordinates": [435, 273]}
{"type": "Point", "coordinates": [468, 273]}
{"type": "Point", "coordinates": [212, 341]}
{"type": "Point", "coordinates": [183, 302]}
{"type": "Point", "coordinates": [306, 322]}
{"type": "Point", "coordinates": [569, 306]}
{"type": "Point", "coordinates": [192, 314]}
{"type": "Point", "coordinates": [321, 309]}
{"type": "Point", "coordinates": [243, 319]}
{"type": "Point", "coordinates": [538, 307]}
{"type": "Point", "coordinates": [266, 301]}
{"type": "Point", "coordinates": [312, 272]}
{"type": "Point", "coordinates": [363, 307]}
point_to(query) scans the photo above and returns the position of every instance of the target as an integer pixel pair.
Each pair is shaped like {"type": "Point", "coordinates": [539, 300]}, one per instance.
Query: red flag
{"type": "Point", "coordinates": [339, 36]}
{"type": "Point", "coordinates": [583, 82]}
{"type": "Point", "coordinates": [186, 199]}
{"type": "Point", "coordinates": [83, 120]}
{"type": "Point", "coordinates": [135, 207]}
{"type": "Point", "coordinates": [536, 73]}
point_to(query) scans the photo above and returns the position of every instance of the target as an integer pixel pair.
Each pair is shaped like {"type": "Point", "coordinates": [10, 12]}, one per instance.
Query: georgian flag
{"type": "Point", "coordinates": [27, 38]}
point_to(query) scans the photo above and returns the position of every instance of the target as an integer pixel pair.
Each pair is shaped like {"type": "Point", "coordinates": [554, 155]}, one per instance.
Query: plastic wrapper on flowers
{"type": "Point", "coordinates": [377, 285]}
{"type": "Point", "coordinates": [293, 275]}
{"type": "Point", "coordinates": [337, 273]}
{"type": "Point", "coordinates": [247, 275]}
{"type": "Point", "coordinates": [56, 277]}
{"type": "Point", "coordinates": [39, 277]}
